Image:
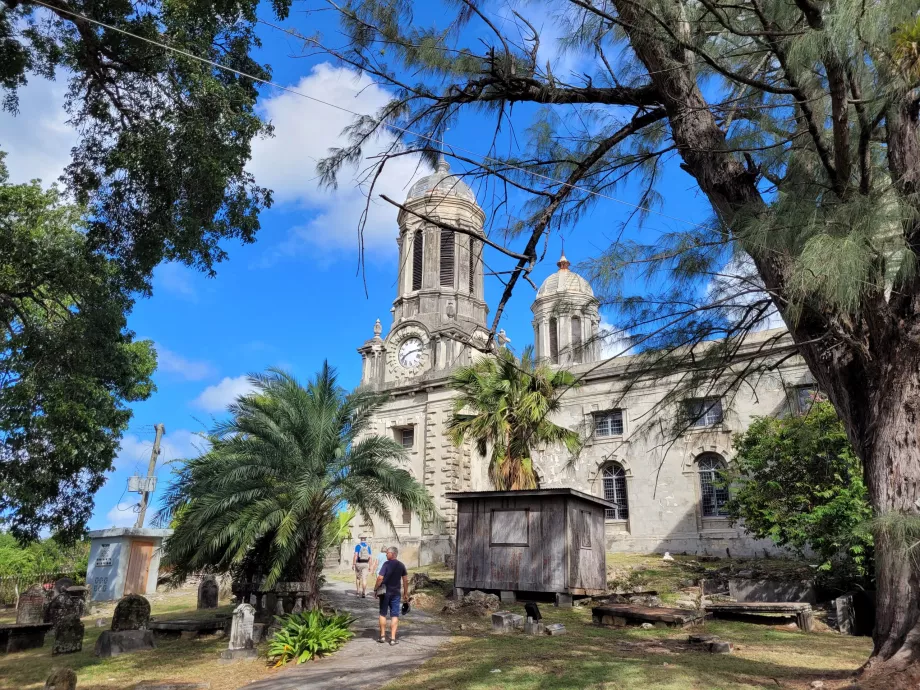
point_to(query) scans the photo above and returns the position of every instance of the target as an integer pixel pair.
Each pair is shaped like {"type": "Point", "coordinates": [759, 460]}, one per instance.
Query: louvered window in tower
{"type": "Point", "coordinates": [418, 256]}
{"type": "Point", "coordinates": [447, 258]}
{"type": "Point", "coordinates": [553, 341]}
{"type": "Point", "coordinates": [576, 339]}
{"type": "Point", "coordinates": [474, 246]}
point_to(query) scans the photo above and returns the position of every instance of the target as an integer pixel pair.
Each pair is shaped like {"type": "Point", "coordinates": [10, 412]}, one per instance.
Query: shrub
{"type": "Point", "coordinates": [304, 636]}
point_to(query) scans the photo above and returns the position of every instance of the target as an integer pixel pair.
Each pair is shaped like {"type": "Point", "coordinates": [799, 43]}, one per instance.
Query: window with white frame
{"type": "Point", "coordinates": [713, 491]}
{"type": "Point", "coordinates": [803, 397]}
{"type": "Point", "coordinates": [406, 436]}
{"type": "Point", "coordinates": [614, 480]}
{"type": "Point", "coordinates": [608, 423]}
{"type": "Point", "coordinates": [703, 412]}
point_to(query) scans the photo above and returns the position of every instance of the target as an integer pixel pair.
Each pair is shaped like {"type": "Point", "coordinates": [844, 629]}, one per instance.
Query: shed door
{"type": "Point", "coordinates": [138, 567]}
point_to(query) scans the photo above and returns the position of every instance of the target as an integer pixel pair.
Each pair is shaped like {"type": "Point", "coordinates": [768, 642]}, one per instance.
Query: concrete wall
{"type": "Point", "coordinates": [109, 554]}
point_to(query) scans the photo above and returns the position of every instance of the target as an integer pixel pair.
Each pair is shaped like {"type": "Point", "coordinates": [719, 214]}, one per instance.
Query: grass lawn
{"type": "Point", "coordinates": [173, 659]}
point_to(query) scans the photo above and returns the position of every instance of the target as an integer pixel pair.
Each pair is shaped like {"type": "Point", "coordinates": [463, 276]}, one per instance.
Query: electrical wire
{"type": "Point", "coordinates": [429, 138]}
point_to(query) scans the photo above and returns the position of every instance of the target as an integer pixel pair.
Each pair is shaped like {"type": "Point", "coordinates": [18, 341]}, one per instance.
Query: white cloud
{"type": "Point", "coordinates": [216, 398]}
{"type": "Point", "coordinates": [38, 139]}
{"type": "Point", "coordinates": [189, 369]}
{"type": "Point", "coordinates": [614, 341]}
{"type": "Point", "coordinates": [739, 285]}
{"type": "Point", "coordinates": [181, 444]}
{"type": "Point", "coordinates": [304, 132]}
{"type": "Point", "coordinates": [122, 515]}
{"type": "Point", "coordinates": [176, 279]}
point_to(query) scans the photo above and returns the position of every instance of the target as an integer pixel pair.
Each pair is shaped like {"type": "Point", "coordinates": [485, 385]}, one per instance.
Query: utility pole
{"type": "Point", "coordinates": [150, 473]}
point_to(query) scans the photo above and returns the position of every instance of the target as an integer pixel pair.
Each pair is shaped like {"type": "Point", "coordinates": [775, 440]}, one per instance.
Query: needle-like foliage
{"type": "Point", "coordinates": [277, 472]}
{"type": "Point", "coordinates": [506, 404]}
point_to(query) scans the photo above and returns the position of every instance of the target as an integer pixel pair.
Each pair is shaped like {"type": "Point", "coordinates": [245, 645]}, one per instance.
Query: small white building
{"type": "Point", "coordinates": [124, 560]}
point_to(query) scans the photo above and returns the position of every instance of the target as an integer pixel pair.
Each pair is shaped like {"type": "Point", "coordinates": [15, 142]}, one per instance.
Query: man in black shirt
{"type": "Point", "coordinates": [391, 575]}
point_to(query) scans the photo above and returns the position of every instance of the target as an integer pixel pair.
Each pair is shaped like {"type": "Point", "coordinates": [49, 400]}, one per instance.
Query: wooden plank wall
{"type": "Point", "coordinates": [587, 558]}
{"type": "Point", "coordinates": [491, 553]}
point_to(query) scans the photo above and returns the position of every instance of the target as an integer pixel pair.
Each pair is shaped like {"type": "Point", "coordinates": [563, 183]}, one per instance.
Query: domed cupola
{"type": "Point", "coordinates": [566, 320]}
{"type": "Point", "coordinates": [441, 183]}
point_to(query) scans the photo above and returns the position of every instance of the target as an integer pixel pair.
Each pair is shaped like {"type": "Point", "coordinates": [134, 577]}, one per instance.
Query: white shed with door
{"type": "Point", "coordinates": [124, 560]}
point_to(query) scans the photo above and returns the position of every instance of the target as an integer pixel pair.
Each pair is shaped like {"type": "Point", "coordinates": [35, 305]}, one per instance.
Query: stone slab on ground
{"type": "Point", "coordinates": [229, 655]}
{"type": "Point", "coordinates": [113, 643]}
{"type": "Point", "coordinates": [196, 626]}
{"type": "Point", "coordinates": [169, 685]}
{"type": "Point", "coordinates": [629, 614]}
{"type": "Point", "coordinates": [804, 617]}
{"type": "Point", "coordinates": [17, 637]}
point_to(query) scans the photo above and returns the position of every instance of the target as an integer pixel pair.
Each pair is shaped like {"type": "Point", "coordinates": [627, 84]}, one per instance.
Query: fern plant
{"type": "Point", "coordinates": [304, 636]}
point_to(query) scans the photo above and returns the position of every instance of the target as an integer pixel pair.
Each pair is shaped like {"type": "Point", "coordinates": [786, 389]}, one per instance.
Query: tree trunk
{"type": "Point", "coordinates": [309, 570]}
{"type": "Point", "coordinates": [892, 467]}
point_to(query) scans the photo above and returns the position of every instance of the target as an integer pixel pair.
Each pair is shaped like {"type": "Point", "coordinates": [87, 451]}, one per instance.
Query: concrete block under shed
{"type": "Point", "coordinates": [505, 621]}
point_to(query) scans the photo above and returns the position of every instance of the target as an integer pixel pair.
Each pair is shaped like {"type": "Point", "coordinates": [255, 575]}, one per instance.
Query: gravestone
{"type": "Point", "coordinates": [62, 606]}
{"type": "Point", "coordinates": [62, 679]}
{"type": "Point", "coordinates": [131, 613]}
{"type": "Point", "coordinates": [31, 609]}
{"type": "Point", "coordinates": [78, 592]}
{"type": "Point", "coordinates": [61, 585]}
{"type": "Point", "coordinates": [112, 643]}
{"type": "Point", "coordinates": [241, 634]}
{"type": "Point", "coordinates": [68, 635]}
{"type": "Point", "coordinates": [846, 615]}
{"type": "Point", "coordinates": [207, 592]}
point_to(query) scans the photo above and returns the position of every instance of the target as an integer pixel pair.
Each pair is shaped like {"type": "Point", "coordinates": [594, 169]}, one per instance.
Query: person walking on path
{"type": "Point", "coordinates": [359, 562]}
{"type": "Point", "coordinates": [394, 576]}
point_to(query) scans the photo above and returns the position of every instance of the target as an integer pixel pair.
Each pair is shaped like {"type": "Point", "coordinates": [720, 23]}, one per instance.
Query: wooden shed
{"type": "Point", "coordinates": [544, 540]}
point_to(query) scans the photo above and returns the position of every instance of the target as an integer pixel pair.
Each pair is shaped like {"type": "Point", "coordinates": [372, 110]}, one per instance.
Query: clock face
{"type": "Point", "coordinates": [410, 353]}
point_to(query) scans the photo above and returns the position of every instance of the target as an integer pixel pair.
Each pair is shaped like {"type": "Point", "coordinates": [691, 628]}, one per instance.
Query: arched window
{"type": "Point", "coordinates": [447, 257]}
{"type": "Point", "coordinates": [576, 339]}
{"type": "Point", "coordinates": [614, 478]}
{"type": "Point", "coordinates": [553, 341]}
{"type": "Point", "coordinates": [418, 260]}
{"type": "Point", "coordinates": [713, 492]}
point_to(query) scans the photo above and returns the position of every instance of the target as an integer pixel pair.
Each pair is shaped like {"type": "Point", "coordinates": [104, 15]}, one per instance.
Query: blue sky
{"type": "Point", "coordinates": [292, 299]}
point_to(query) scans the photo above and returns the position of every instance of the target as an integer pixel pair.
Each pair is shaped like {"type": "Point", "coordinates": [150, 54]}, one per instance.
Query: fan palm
{"type": "Point", "coordinates": [277, 472]}
{"type": "Point", "coordinates": [505, 403]}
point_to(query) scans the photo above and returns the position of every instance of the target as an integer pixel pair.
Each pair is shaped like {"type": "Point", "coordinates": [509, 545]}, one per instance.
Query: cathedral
{"type": "Point", "coordinates": [665, 492]}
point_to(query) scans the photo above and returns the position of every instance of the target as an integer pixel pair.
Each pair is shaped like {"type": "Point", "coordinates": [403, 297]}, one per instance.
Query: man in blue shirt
{"type": "Point", "coordinates": [395, 578]}
{"type": "Point", "coordinates": [359, 561]}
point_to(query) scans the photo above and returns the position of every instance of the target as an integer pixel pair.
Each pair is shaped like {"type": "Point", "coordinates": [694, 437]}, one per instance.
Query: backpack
{"type": "Point", "coordinates": [364, 551]}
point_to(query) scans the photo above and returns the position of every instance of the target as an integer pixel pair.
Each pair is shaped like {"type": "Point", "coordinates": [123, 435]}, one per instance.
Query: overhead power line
{"type": "Point", "coordinates": [429, 138]}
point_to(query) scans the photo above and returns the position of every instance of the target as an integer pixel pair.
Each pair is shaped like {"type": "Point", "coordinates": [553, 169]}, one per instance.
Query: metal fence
{"type": "Point", "coordinates": [14, 585]}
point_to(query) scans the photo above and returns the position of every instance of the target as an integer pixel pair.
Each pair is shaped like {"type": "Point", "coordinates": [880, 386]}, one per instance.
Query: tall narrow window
{"type": "Point", "coordinates": [713, 492]}
{"type": "Point", "coordinates": [406, 516]}
{"type": "Point", "coordinates": [553, 341]}
{"type": "Point", "coordinates": [447, 257]}
{"type": "Point", "coordinates": [418, 260]}
{"type": "Point", "coordinates": [473, 257]}
{"type": "Point", "coordinates": [576, 339]}
{"type": "Point", "coordinates": [407, 437]}
{"type": "Point", "coordinates": [615, 491]}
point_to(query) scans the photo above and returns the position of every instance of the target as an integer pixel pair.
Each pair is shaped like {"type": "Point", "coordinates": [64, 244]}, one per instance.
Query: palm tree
{"type": "Point", "coordinates": [505, 404]}
{"type": "Point", "coordinates": [277, 473]}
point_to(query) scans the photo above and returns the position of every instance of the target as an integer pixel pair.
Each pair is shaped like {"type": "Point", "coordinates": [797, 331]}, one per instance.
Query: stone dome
{"type": "Point", "coordinates": [441, 182]}
{"type": "Point", "coordinates": [564, 281]}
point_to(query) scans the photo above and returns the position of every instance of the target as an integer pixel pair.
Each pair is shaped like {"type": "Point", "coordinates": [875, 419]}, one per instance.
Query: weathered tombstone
{"type": "Point", "coordinates": [31, 609]}
{"type": "Point", "coordinates": [241, 634]}
{"type": "Point", "coordinates": [505, 621]}
{"type": "Point", "coordinates": [112, 643]}
{"type": "Point", "coordinates": [207, 592]}
{"type": "Point", "coordinates": [131, 613]}
{"type": "Point", "coordinates": [78, 592]}
{"type": "Point", "coordinates": [846, 615]}
{"type": "Point", "coordinates": [61, 585]}
{"type": "Point", "coordinates": [62, 606]}
{"type": "Point", "coordinates": [62, 679]}
{"type": "Point", "coordinates": [68, 635]}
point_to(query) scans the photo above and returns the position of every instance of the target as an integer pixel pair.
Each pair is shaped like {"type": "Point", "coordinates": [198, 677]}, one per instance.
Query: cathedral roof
{"type": "Point", "coordinates": [564, 281]}
{"type": "Point", "coordinates": [441, 182]}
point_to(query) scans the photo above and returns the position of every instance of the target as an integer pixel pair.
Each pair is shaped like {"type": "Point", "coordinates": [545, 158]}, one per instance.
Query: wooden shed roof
{"type": "Point", "coordinates": [528, 493]}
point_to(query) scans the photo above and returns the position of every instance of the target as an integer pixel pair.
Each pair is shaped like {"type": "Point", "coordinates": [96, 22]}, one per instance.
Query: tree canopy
{"type": "Point", "coordinates": [277, 473]}
{"type": "Point", "coordinates": [798, 121]}
{"type": "Point", "coordinates": [163, 138]}
{"type": "Point", "coordinates": [503, 405]}
{"type": "Point", "coordinates": [69, 366]}
{"type": "Point", "coordinates": [797, 481]}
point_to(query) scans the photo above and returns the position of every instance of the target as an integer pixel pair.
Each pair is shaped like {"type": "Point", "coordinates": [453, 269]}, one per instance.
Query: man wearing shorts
{"type": "Point", "coordinates": [359, 562]}
{"type": "Point", "coordinates": [395, 578]}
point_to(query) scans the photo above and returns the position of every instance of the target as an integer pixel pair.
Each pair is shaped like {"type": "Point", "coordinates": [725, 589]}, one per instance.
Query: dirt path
{"type": "Point", "coordinates": [363, 663]}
